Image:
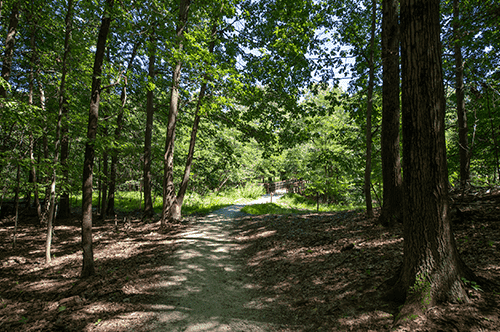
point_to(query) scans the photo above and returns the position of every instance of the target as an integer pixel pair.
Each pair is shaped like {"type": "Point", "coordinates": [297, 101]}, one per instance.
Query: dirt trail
{"type": "Point", "coordinates": [205, 290]}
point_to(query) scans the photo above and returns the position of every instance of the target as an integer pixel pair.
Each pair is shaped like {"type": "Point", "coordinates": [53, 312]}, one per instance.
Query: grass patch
{"type": "Point", "coordinates": [132, 201]}
{"type": "Point", "coordinates": [269, 208]}
{"type": "Point", "coordinates": [294, 203]}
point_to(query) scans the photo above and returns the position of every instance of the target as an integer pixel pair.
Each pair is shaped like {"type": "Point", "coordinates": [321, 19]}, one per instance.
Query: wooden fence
{"type": "Point", "coordinates": [287, 186]}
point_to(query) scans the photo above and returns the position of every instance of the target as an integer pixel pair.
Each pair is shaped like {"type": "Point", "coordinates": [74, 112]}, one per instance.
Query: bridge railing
{"type": "Point", "coordinates": [287, 186]}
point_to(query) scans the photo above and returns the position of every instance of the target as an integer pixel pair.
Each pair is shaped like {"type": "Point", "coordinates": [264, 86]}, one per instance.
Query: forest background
{"type": "Point", "coordinates": [123, 91]}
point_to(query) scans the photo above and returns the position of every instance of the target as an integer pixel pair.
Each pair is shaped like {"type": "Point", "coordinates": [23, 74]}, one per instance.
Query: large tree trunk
{"type": "Point", "coordinates": [148, 202]}
{"type": "Point", "coordinates": [118, 131]}
{"type": "Point", "coordinates": [432, 269]}
{"type": "Point", "coordinates": [391, 162]}
{"type": "Point", "coordinates": [9, 46]}
{"type": "Point", "coordinates": [459, 88]}
{"type": "Point", "coordinates": [88, 255]}
{"type": "Point", "coordinates": [169, 196]}
{"type": "Point", "coordinates": [369, 107]}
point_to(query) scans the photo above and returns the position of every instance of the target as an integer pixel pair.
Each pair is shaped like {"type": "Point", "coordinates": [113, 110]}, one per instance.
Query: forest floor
{"type": "Point", "coordinates": [232, 272]}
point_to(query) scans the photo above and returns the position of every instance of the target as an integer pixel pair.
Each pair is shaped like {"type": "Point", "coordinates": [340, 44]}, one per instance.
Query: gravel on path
{"type": "Point", "coordinates": [234, 211]}
{"type": "Point", "coordinates": [206, 289]}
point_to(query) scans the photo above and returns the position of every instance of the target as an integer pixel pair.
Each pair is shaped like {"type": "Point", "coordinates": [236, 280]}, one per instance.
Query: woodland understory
{"type": "Point", "coordinates": [325, 270]}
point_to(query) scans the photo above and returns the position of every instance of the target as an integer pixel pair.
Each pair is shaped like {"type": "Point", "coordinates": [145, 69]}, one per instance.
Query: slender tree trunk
{"type": "Point", "coordinates": [169, 196]}
{"type": "Point", "coordinates": [64, 209]}
{"type": "Point", "coordinates": [104, 181]}
{"type": "Point", "coordinates": [148, 203]}
{"type": "Point", "coordinates": [9, 47]}
{"type": "Point", "coordinates": [493, 135]}
{"type": "Point", "coordinates": [16, 203]}
{"type": "Point", "coordinates": [46, 154]}
{"type": "Point", "coordinates": [459, 87]}
{"type": "Point", "coordinates": [31, 89]}
{"type": "Point", "coordinates": [34, 178]}
{"type": "Point", "coordinates": [432, 268]}
{"type": "Point", "coordinates": [390, 149]}
{"type": "Point", "coordinates": [88, 254]}
{"type": "Point", "coordinates": [177, 206]}
{"type": "Point", "coordinates": [64, 203]}
{"type": "Point", "coordinates": [61, 99]}
{"type": "Point", "coordinates": [368, 165]}
{"type": "Point", "coordinates": [118, 131]}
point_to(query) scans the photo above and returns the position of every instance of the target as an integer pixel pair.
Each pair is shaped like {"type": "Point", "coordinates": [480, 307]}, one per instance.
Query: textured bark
{"type": "Point", "coordinates": [88, 254]}
{"type": "Point", "coordinates": [104, 183]}
{"type": "Point", "coordinates": [9, 46]}
{"type": "Point", "coordinates": [493, 134]}
{"type": "Point", "coordinates": [176, 207]}
{"type": "Point", "coordinates": [118, 132]}
{"type": "Point", "coordinates": [432, 269]}
{"type": "Point", "coordinates": [148, 202]}
{"type": "Point", "coordinates": [169, 196]}
{"type": "Point", "coordinates": [459, 88]}
{"type": "Point", "coordinates": [368, 164]}
{"type": "Point", "coordinates": [64, 206]}
{"type": "Point", "coordinates": [64, 209]}
{"type": "Point", "coordinates": [390, 148]}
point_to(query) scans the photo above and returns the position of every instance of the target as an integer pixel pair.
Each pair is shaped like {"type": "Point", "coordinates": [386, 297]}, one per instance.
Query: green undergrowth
{"type": "Point", "coordinates": [294, 203]}
{"type": "Point", "coordinates": [132, 201]}
{"type": "Point", "coordinates": [269, 208]}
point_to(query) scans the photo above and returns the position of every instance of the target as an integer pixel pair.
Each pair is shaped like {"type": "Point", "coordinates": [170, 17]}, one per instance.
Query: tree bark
{"type": "Point", "coordinates": [496, 168]}
{"type": "Point", "coordinates": [16, 204]}
{"type": "Point", "coordinates": [459, 88]}
{"type": "Point", "coordinates": [390, 149]}
{"type": "Point", "coordinates": [104, 182]}
{"type": "Point", "coordinates": [177, 206]}
{"type": "Point", "coordinates": [62, 91]}
{"type": "Point", "coordinates": [148, 202]}
{"type": "Point", "coordinates": [88, 255]}
{"type": "Point", "coordinates": [118, 131]}
{"type": "Point", "coordinates": [432, 269]}
{"type": "Point", "coordinates": [369, 107]}
{"type": "Point", "coordinates": [169, 196]}
{"type": "Point", "coordinates": [9, 46]}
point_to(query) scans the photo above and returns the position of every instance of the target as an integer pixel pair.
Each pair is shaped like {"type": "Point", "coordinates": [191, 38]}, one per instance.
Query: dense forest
{"type": "Point", "coordinates": [383, 105]}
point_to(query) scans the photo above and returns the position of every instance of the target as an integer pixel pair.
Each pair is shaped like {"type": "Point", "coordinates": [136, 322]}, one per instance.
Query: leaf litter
{"type": "Point", "coordinates": [315, 272]}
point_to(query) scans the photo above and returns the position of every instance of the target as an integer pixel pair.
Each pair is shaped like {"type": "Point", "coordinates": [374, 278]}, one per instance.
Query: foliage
{"type": "Point", "coordinates": [295, 203]}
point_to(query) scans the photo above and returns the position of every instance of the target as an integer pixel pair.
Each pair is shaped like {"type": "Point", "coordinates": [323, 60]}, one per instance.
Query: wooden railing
{"type": "Point", "coordinates": [287, 186]}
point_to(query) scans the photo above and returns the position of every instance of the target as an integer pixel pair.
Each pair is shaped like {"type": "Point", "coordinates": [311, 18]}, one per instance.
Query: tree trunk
{"type": "Point", "coordinates": [88, 255]}
{"type": "Point", "coordinates": [104, 181]}
{"type": "Point", "coordinates": [62, 92]}
{"type": "Point", "coordinates": [148, 203]}
{"type": "Point", "coordinates": [177, 206]}
{"type": "Point", "coordinates": [9, 47]}
{"type": "Point", "coordinates": [64, 209]}
{"type": "Point", "coordinates": [16, 203]}
{"type": "Point", "coordinates": [34, 178]}
{"type": "Point", "coordinates": [169, 196]}
{"type": "Point", "coordinates": [459, 87]}
{"type": "Point", "coordinates": [432, 269]}
{"type": "Point", "coordinates": [390, 150]}
{"type": "Point", "coordinates": [493, 135]}
{"type": "Point", "coordinates": [369, 107]}
{"type": "Point", "coordinates": [64, 203]}
{"type": "Point", "coordinates": [118, 131]}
